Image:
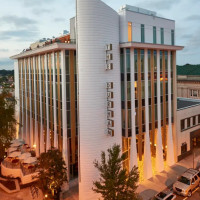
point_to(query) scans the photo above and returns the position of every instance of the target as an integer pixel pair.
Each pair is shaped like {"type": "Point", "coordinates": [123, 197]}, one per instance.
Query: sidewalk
{"type": "Point", "coordinates": [159, 182]}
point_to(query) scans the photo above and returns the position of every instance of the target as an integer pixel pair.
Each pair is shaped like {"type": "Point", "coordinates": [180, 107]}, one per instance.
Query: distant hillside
{"type": "Point", "coordinates": [188, 69]}
{"type": "Point", "coordinates": [6, 72]}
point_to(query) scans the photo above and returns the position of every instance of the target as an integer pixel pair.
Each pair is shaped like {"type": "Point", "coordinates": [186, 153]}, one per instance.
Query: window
{"type": "Point", "coordinates": [129, 31]}
{"type": "Point", "coordinates": [188, 122]}
{"type": "Point", "coordinates": [172, 37]}
{"type": "Point", "coordinates": [162, 35]}
{"type": "Point", "coordinates": [198, 119]}
{"type": "Point", "coordinates": [195, 93]}
{"type": "Point", "coordinates": [182, 124]}
{"type": "Point", "coordinates": [170, 197]}
{"type": "Point", "coordinates": [154, 35]}
{"type": "Point", "coordinates": [183, 148]}
{"type": "Point", "coordinates": [194, 120]}
{"type": "Point", "coordinates": [142, 33]}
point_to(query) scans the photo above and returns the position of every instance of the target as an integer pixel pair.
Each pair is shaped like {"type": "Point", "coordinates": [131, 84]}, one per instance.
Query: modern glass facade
{"type": "Point", "coordinates": [41, 103]}
{"type": "Point", "coordinates": [137, 85]}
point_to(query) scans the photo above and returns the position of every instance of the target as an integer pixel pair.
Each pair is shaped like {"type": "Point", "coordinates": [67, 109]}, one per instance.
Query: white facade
{"type": "Point", "coordinates": [98, 25]}
{"type": "Point", "coordinates": [184, 135]}
{"type": "Point", "coordinates": [149, 22]}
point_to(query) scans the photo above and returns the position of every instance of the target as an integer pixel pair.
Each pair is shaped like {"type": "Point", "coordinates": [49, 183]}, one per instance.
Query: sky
{"type": "Point", "coordinates": [23, 22]}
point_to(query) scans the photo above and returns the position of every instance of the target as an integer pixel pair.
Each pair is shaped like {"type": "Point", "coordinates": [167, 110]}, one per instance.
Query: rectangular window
{"type": "Point", "coordinates": [198, 119]}
{"type": "Point", "coordinates": [172, 37]}
{"type": "Point", "coordinates": [194, 120]}
{"type": "Point", "coordinates": [184, 148]}
{"type": "Point", "coordinates": [154, 35]}
{"type": "Point", "coordinates": [182, 124]}
{"type": "Point", "coordinates": [188, 122]}
{"type": "Point", "coordinates": [129, 31]}
{"type": "Point", "coordinates": [142, 33]}
{"type": "Point", "coordinates": [162, 35]}
{"type": "Point", "coordinates": [195, 93]}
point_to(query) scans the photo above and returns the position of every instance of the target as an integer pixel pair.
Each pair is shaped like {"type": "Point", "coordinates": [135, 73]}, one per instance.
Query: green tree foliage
{"type": "Point", "coordinates": [52, 172]}
{"type": "Point", "coordinates": [7, 121]}
{"type": "Point", "coordinates": [115, 182]}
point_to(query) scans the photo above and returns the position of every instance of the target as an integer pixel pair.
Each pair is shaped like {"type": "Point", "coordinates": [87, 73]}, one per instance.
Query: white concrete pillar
{"type": "Point", "coordinates": [30, 97]}
{"type": "Point", "coordinates": [41, 108]}
{"type": "Point", "coordinates": [17, 92]}
{"type": "Point", "coordinates": [22, 98]}
{"type": "Point", "coordinates": [159, 146]}
{"type": "Point", "coordinates": [26, 104]}
{"type": "Point", "coordinates": [48, 142]}
{"type": "Point", "coordinates": [54, 102]}
{"type": "Point", "coordinates": [170, 145]}
{"type": "Point", "coordinates": [35, 106]}
{"type": "Point", "coordinates": [133, 152]}
{"type": "Point", "coordinates": [64, 108]}
{"type": "Point", "coordinates": [147, 150]}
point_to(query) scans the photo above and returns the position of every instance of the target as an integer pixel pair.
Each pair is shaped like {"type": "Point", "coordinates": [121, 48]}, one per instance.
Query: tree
{"type": "Point", "coordinates": [7, 121]}
{"type": "Point", "coordinates": [52, 172]}
{"type": "Point", "coordinates": [115, 182]}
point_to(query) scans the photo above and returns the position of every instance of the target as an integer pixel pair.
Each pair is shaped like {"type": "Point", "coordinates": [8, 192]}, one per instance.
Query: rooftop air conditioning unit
{"type": "Point", "coordinates": [110, 104]}
{"type": "Point", "coordinates": [110, 123]}
{"type": "Point", "coordinates": [109, 66]}
{"type": "Point", "coordinates": [109, 47]}
{"type": "Point", "coordinates": [110, 95]}
{"type": "Point", "coordinates": [110, 114]}
{"type": "Point", "coordinates": [110, 132]}
{"type": "Point", "coordinates": [109, 56]}
{"type": "Point", "coordinates": [109, 85]}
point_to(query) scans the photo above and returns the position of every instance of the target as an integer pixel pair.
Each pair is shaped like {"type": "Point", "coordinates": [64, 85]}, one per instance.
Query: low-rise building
{"type": "Point", "coordinates": [188, 126]}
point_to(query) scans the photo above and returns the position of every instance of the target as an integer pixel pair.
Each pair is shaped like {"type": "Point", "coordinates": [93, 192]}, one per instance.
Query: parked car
{"type": "Point", "coordinates": [165, 195]}
{"type": "Point", "coordinates": [188, 182]}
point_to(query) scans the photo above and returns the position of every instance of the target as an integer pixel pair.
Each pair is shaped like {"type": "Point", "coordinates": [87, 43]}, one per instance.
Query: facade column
{"type": "Point", "coordinates": [147, 150]}
{"type": "Point", "coordinates": [22, 98]}
{"type": "Point", "coordinates": [26, 99]}
{"type": "Point", "coordinates": [54, 102]}
{"type": "Point", "coordinates": [64, 116]}
{"type": "Point", "coordinates": [24, 103]}
{"type": "Point", "coordinates": [159, 146]}
{"type": "Point", "coordinates": [17, 97]}
{"type": "Point", "coordinates": [41, 110]}
{"type": "Point", "coordinates": [30, 98]}
{"type": "Point", "coordinates": [133, 151]}
{"type": "Point", "coordinates": [48, 142]}
{"type": "Point", "coordinates": [170, 145]}
{"type": "Point", "coordinates": [35, 106]}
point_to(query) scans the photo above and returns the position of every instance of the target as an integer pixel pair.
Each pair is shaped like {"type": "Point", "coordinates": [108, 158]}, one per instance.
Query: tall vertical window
{"type": "Point", "coordinates": [172, 37]}
{"type": "Point", "coordinates": [142, 33]}
{"type": "Point", "coordinates": [162, 35]}
{"type": "Point", "coordinates": [154, 35]}
{"type": "Point", "coordinates": [129, 31]}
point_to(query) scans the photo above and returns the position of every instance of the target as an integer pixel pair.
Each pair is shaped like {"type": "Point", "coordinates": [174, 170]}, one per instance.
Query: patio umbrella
{"type": "Point", "coordinates": [24, 156]}
{"type": "Point", "coordinates": [18, 140]}
{"type": "Point", "coordinates": [16, 144]}
{"type": "Point", "coordinates": [11, 149]}
{"type": "Point", "coordinates": [14, 154]}
{"type": "Point", "coordinates": [30, 160]}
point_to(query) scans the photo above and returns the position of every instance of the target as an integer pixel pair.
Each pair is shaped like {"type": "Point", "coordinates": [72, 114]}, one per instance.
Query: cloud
{"type": "Point", "coordinates": [21, 34]}
{"type": "Point", "coordinates": [17, 21]}
{"type": "Point", "coordinates": [40, 11]}
{"type": "Point", "coordinates": [6, 63]}
{"type": "Point", "coordinates": [36, 3]}
{"type": "Point", "coordinates": [158, 4]}
{"type": "Point", "coordinates": [60, 19]}
{"type": "Point", "coordinates": [193, 18]}
{"type": "Point", "coordinates": [4, 50]}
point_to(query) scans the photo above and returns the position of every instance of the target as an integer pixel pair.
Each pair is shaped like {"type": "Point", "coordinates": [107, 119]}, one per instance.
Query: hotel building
{"type": "Point", "coordinates": [117, 84]}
